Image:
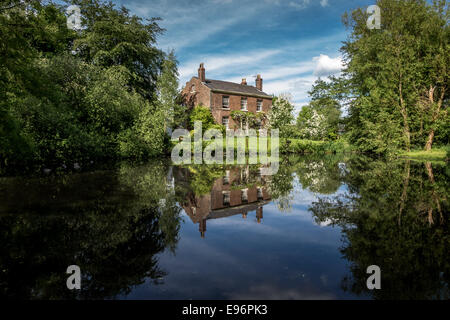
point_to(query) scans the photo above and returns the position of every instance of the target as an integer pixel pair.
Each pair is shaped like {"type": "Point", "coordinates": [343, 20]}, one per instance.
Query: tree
{"type": "Point", "coordinates": [281, 114]}
{"type": "Point", "coordinates": [113, 36]}
{"type": "Point", "coordinates": [312, 124]}
{"type": "Point", "coordinates": [390, 69]}
{"type": "Point", "coordinates": [325, 101]}
{"type": "Point", "coordinates": [167, 91]}
{"type": "Point", "coordinates": [79, 96]}
{"type": "Point", "coordinates": [202, 114]}
{"type": "Point", "coordinates": [321, 118]}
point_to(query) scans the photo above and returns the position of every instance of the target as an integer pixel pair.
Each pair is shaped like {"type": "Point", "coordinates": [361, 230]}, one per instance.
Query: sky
{"type": "Point", "coordinates": [289, 42]}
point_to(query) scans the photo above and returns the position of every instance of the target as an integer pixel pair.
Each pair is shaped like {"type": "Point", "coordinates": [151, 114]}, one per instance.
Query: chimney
{"type": "Point", "coordinates": [259, 82]}
{"type": "Point", "coordinates": [244, 81]}
{"type": "Point", "coordinates": [201, 72]}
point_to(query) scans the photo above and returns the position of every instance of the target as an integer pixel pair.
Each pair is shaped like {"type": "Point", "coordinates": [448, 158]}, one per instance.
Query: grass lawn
{"type": "Point", "coordinates": [433, 154]}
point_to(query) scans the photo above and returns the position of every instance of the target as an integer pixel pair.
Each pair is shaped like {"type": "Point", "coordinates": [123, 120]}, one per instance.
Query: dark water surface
{"type": "Point", "coordinates": [159, 231]}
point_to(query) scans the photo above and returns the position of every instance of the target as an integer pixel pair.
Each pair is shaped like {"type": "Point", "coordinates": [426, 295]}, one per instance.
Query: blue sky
{"type": "Point", "coordinates": [289, 42]}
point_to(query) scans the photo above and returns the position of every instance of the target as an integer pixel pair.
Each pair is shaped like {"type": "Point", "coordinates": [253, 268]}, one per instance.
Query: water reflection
{"type": "Point", "coordinates": [239, 191]}
{"type": "Point", "coordinates": [318, 223]}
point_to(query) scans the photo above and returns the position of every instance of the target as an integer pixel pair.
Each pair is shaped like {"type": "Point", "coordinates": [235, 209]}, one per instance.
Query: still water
{"type": "Point", "coordinates": [158, 231]}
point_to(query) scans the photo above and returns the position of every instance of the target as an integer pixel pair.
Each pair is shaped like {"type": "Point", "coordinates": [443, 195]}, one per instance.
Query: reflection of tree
{"type": "Point", "coordinates": [318, 173]}
{"type": "Point", "coordinates": [382, 220]}
{"type": "Point", "coordinates": [202, 177]}
{"type": "Point", "coordinates": [282, 184]}
{"type": "Point", "coordinates": [114, 237]}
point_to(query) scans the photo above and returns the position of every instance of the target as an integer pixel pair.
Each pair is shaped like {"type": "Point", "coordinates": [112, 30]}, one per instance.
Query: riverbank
{"type": "Point", "coordinates": [436, 154]}
{"type": "Point", "coordinates": [286, 146]}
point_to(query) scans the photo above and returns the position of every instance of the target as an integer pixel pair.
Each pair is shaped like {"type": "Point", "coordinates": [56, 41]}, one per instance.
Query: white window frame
{"type": "Point", "coordinates": [244, 106]}
{"type": "Point", "coordinates": [259, 105]}
{"type": "Point", "coordinates": [228, 121]}
{"type": "Point", "coordinates": [227, 105]}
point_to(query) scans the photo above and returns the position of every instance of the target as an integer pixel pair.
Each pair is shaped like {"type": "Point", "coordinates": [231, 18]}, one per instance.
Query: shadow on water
{"type": "Point", "coordinates": [117, 224]}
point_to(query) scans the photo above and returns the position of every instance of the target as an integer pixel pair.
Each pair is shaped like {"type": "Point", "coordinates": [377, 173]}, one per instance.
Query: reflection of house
{"type": "Point", "coordinates": [229, 196]}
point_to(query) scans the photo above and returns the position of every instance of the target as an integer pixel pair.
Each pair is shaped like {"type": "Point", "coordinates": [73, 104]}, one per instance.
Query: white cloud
{"type": "Point", "coordinates": [326, 66]}
{"type": "Point", "coordinates": [324, 3]}
{"type": "Point", "coordinates": [216, 65]}
{"type": "Point", "coordinates": [299, 5]}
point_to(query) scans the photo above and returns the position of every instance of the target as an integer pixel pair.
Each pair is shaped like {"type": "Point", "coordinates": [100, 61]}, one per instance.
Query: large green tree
{"type": "Point", "coordinates": [398, 75]}
{"type": "Point", "coordinates": [69, 96]}
{"type": "Point", "coordinates": [281, 115]}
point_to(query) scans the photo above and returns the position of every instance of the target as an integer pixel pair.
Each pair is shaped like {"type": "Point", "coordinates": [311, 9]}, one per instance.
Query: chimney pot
{"type": "Point", "coordinates": [244, 81]}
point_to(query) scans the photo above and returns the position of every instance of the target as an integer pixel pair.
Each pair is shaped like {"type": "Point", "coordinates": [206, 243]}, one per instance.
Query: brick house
{"type": "Point", "coordinates": [222, 97]}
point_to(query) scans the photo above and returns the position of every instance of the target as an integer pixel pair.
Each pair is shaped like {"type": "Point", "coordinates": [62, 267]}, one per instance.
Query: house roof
{"type": "Point", "coordinates": [231, 87]}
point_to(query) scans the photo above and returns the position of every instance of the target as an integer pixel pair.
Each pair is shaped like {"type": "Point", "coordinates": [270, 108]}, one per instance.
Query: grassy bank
{"type": "Point", "coordinates": [286, 146]}
{"type": "Point", "coordinates": [440, 154]}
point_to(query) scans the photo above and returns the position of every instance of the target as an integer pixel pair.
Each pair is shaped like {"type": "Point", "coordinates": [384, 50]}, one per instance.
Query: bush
{"type": "Point", "coordinates": [147, 137]}
{"type": "Point", "coordinates": [202, 114]}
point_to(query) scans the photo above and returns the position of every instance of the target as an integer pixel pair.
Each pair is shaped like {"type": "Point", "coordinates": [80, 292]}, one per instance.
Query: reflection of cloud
{"type": "Point", "coordinates": [268, 292]}
{"type": "Point", "coordinates": [325, 223]}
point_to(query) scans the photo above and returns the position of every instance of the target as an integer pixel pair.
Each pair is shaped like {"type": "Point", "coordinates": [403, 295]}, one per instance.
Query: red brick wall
{"type": "Point", "coordinates": [201, 95]}
{"type": "Point", "coordinates": [235, 104]}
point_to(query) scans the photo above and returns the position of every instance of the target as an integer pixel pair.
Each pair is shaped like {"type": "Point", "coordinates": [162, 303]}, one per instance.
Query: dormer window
{"type": "Point", "coordinates": [244, 104]}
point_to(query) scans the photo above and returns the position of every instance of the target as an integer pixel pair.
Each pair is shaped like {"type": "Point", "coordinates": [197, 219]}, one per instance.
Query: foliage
{"type": "Point", "coordinates": [202, 114]}
{"type": "Point", "coordinates": [109, 222]}
{"type": "Point", "coordinates": [168, 96]}
{"type": "Point", "coordinates": [398, 76]}
{"type": "Point", "coordinates": [281, 114]}
{"type": "Point", "coordinates": [312, 125]}
{"type": "Point", "coordinates": [80, 96]}
{"type": "Point", "coordinates": [397, 221]}
{"type": "Point", "coordinates": [321, 118]}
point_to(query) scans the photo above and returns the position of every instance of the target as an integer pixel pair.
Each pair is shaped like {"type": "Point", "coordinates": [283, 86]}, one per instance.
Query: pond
{"type": "Point", "coordinates": [158, 231]}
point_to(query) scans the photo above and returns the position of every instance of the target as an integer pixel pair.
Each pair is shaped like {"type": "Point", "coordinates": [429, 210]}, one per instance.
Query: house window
{"type": "Point", "coordinates": [226, 198]}
{"type": "Point", "coordinates": [225, 102]}
{"type": "Point", "coordinates": [225, 121]}
{"type": "Point", "coordinates": [244, 104]}
{"type": "Point", "coordinates": [259, 105]}
{"type": "Point", "coordinates": [193, 88]}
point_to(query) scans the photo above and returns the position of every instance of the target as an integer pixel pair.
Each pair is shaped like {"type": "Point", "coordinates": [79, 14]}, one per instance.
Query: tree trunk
{"type": "Point", "coordinates": [429, 140]}
{"type": "Point", "coordinates": [404, 112]}
{"type": "Point", "coordinates": [436, 113]}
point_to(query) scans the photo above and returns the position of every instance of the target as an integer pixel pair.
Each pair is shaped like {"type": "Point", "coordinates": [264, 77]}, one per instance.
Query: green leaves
{"type": "Point", "coordinates": [76, 96]}
{"type": "Point", "coordinates": [391, 72]}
